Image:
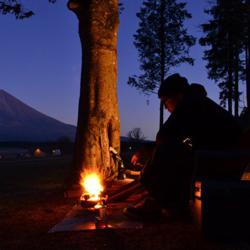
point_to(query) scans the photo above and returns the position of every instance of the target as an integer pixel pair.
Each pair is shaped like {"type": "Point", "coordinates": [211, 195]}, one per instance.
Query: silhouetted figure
{"type": "Point", "coordinates": [195, 123]}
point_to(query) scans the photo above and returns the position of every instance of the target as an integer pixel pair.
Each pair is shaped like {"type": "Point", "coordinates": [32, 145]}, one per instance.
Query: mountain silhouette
{"type": "Point", "coordinates": [20, 122]}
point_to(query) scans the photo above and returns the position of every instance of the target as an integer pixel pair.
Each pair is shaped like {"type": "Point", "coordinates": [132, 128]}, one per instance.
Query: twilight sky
{"type": "Point", "coordinates": [41, 59]}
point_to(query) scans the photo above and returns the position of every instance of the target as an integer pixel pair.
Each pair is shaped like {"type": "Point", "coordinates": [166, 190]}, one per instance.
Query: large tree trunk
{"type": "Point", "coordinates": [98, 126]}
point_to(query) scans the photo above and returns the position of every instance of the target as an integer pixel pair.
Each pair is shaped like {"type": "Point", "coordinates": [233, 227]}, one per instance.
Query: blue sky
{"type": "Point", "coordinates": [41, 60]}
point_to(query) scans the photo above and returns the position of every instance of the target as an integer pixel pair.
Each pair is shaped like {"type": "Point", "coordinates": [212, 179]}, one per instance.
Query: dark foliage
{"type": "Point", "coordinates": [161, 40]}
{"type": "Point", "coordinates": [225, 37]}
{"type": "Point", "coordinates": [121, 7]}
{"type": "Point", "coordinates": [16, 8]}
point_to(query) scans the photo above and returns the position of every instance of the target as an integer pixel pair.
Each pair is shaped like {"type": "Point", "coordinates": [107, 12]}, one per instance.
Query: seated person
{"type": "Point", "coordinates": [142, 156]}
{"type": "Point", "coordinates": [195, 123]}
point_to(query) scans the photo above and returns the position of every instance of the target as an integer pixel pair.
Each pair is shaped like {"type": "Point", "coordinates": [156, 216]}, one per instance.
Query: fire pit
{"type": "Point", "coordinates": [86, 201]}
{"type": "Point", "coordinates": [93, 199]}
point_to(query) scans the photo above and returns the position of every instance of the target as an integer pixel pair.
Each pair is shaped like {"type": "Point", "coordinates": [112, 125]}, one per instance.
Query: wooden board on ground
{"type": "Point", "coordinates": [79, 219]}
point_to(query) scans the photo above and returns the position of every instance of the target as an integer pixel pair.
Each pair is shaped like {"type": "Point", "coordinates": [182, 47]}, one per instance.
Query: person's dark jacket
{"type": "Point", "coordinates": [201, 122]}
{"type": "Point", "coordinates": [197, 123]}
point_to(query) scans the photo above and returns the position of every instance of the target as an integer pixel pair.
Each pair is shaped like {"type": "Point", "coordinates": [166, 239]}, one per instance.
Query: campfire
{"type": "Point", "coordinates": [93, 188]}
{"type": "Point", "coordinates": [93, 199]}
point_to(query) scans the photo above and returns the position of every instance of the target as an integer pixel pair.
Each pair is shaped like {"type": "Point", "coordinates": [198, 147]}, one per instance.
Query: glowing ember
{"type": "Point", "coordinates": [91, 184]}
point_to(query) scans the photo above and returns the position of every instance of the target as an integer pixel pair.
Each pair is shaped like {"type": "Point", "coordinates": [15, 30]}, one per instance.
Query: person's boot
{"type": "Point", "coordinates": [178, 212]}
{"type": "Point", "coordinates": [147, 210]}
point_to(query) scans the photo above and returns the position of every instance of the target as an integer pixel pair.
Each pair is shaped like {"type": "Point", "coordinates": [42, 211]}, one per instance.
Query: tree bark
{"type": "Point", "coordinates": [98, 126]}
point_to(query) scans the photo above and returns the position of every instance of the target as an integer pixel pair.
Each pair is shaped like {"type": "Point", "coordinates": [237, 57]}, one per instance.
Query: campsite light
{"type": "Point", "coordinates": [38, 153]}
{"type": "Point", "coordinates": [38, 150]}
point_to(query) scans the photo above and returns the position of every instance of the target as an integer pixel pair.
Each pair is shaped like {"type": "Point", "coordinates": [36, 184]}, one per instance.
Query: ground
{"type": "Point", "coordinates": [32, 201]}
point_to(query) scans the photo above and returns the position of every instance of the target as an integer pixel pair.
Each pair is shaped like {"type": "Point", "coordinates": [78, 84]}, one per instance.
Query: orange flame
{"type": "Point", "coordinates": [91, 184]}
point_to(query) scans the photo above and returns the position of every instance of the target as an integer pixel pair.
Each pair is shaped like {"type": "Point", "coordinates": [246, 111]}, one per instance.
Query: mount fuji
{"type": "Point", "coordinates": [20, 122]}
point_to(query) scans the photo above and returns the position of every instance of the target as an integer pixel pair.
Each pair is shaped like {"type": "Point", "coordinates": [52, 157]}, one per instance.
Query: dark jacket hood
{"type": "Point", "coordinates": [197, 90]}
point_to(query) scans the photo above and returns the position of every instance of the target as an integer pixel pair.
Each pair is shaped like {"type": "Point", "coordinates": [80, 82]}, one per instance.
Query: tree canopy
{"type": "Point", "coordinates": [162, 42]}
{"type": "Point", "coordinates": [226, 36]}
{"type": "Point", "coordinates": [153, 38]}
{"type": "Point", "coordinates": [16, 8]}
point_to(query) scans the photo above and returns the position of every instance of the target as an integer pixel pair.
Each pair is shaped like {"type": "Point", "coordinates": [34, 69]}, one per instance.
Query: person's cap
{"type": "Point", "coordinates": [173, 85]}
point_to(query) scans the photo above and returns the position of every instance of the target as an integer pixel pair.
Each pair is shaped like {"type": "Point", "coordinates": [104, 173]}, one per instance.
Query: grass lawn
{"type": "Point", "coordinates": [31, 202]}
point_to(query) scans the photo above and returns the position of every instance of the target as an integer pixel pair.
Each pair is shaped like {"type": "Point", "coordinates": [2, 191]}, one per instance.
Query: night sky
{"type": "Point", "coordinates": [40, 63]}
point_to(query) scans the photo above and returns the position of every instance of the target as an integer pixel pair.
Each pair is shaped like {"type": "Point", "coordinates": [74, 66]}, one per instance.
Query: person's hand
{"type": "Point", "coordinates": [134, 159]}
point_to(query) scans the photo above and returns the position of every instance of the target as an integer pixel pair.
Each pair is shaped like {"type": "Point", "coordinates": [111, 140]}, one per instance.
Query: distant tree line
{"type": "Point", "coordinates": [136, 134]}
